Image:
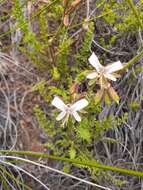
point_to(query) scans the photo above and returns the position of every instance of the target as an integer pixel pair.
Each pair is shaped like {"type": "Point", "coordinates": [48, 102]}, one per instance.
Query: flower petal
{"type": "Point", "coordinates": [79, 105]}
{"type": "Point", "coordinates": [58, 103]}
{"type": "Point", "coordinates": [76, 116]}
{"type": "Point", "coordinates": [110, 76]}
{"type": "Point", "coordinates": [93, 60]}
{"type": "Point", "coordinates": [92, 75]}
{"type": "Point", "coordinates": [61, 116]}
{"type": "Point", "coordinates": [116, 66]}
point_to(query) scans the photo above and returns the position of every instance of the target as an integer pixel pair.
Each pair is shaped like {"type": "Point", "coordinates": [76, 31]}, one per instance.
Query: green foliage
{"type": "Point", "coordinates": [84, 52]}
{"type": "Point", "coordinates": [65, 65]}
{"type": "Point", "coordinates": [41, 117]}
{"type": "Point", "coordinates": [56, 74]}
{"type": "Point", "coordinates": [75, 140]}
{"type": "Point", "coordinates": [83, 131]}
{"type": "Point", "coordinates": [112, 17]}
{"type": "Point", "coordinates": [56, 11]}
{"type": "Point", "coordinates": [134, 105]}
{"type": "Point", "coordinates": [58, 91]}
{"type": "Point", "coordinates": [40, 87]}
{"type": "Point", "coordinates": [72, 152]}
{"type": "Point", "coordinates": [124, 19]}
{"type": "Point", "coordinates": [63, 52]}
{"type": "Point", "coordinates": [29, 37]}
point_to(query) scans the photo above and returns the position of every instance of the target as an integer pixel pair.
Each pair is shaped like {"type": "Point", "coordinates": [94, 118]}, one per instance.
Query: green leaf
{"type": "Point", "coordinates": [58, 91]}
{"type": "Point", "coordinates": [82, 75]}
{"type": "Point", "coordinates": [40, 86]}
{"type": "Point", "coordinates": [66, 168]}
{"type": "Point", "coordinates": [84, 133]}
{"type": "Point", "coordinates": [56, 74]}
{"type": "Point", "coordinates": [72, 152]}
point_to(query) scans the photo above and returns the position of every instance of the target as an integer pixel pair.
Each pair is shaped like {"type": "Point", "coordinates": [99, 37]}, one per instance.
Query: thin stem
{"type": "Point", "coordinates": [134, 59]}
{"type": "Point", "coordinates": [84, 163]}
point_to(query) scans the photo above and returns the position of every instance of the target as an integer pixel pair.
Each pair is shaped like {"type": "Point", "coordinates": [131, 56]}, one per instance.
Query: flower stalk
{"type": "Point", "coordinates": [77, 162]}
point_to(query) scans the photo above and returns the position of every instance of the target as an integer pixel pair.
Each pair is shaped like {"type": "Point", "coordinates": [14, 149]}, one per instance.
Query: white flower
{"type": "Point", "coordinates": [103, 71]}
{"type": "Point", "coordinates": [67, 110]}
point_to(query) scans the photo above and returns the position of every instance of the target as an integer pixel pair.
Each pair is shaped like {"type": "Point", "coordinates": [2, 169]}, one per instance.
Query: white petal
{"type": "Point", "coordinates": [110, 76]}
{"type": "Point", "coordinates": [79, 104]}
{"type": "Point", "coordinates": [116, 66]}
{"type": "Point", "coordinates": [93, 60]}
{"type": "Point", "coordinates": [92, 75]}
{"type": "Point", "coordinates": [76, 116]}
{"type": "Point", "coordinates": [61, 116]}
{"type": "Point", "coordinates": [58, 103]}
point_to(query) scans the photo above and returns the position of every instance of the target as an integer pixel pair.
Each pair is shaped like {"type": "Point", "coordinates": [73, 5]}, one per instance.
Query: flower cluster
{"type": "Point", "coordinates": [103, 74]}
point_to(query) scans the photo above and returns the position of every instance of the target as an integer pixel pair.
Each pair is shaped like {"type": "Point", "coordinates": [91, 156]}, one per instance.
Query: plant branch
{"type": "Point", "coordinates": [78, 162]}
{"type": "Point", "coordinates": [134, 59]}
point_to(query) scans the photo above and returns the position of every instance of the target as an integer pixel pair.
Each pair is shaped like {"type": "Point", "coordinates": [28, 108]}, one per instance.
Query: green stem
{"type": "Point", "coordinates": [73, 161]}
{"type": "Point", "coordinates": [134, 59]}
{"type": "Point", "coordinates": [131, 4]}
